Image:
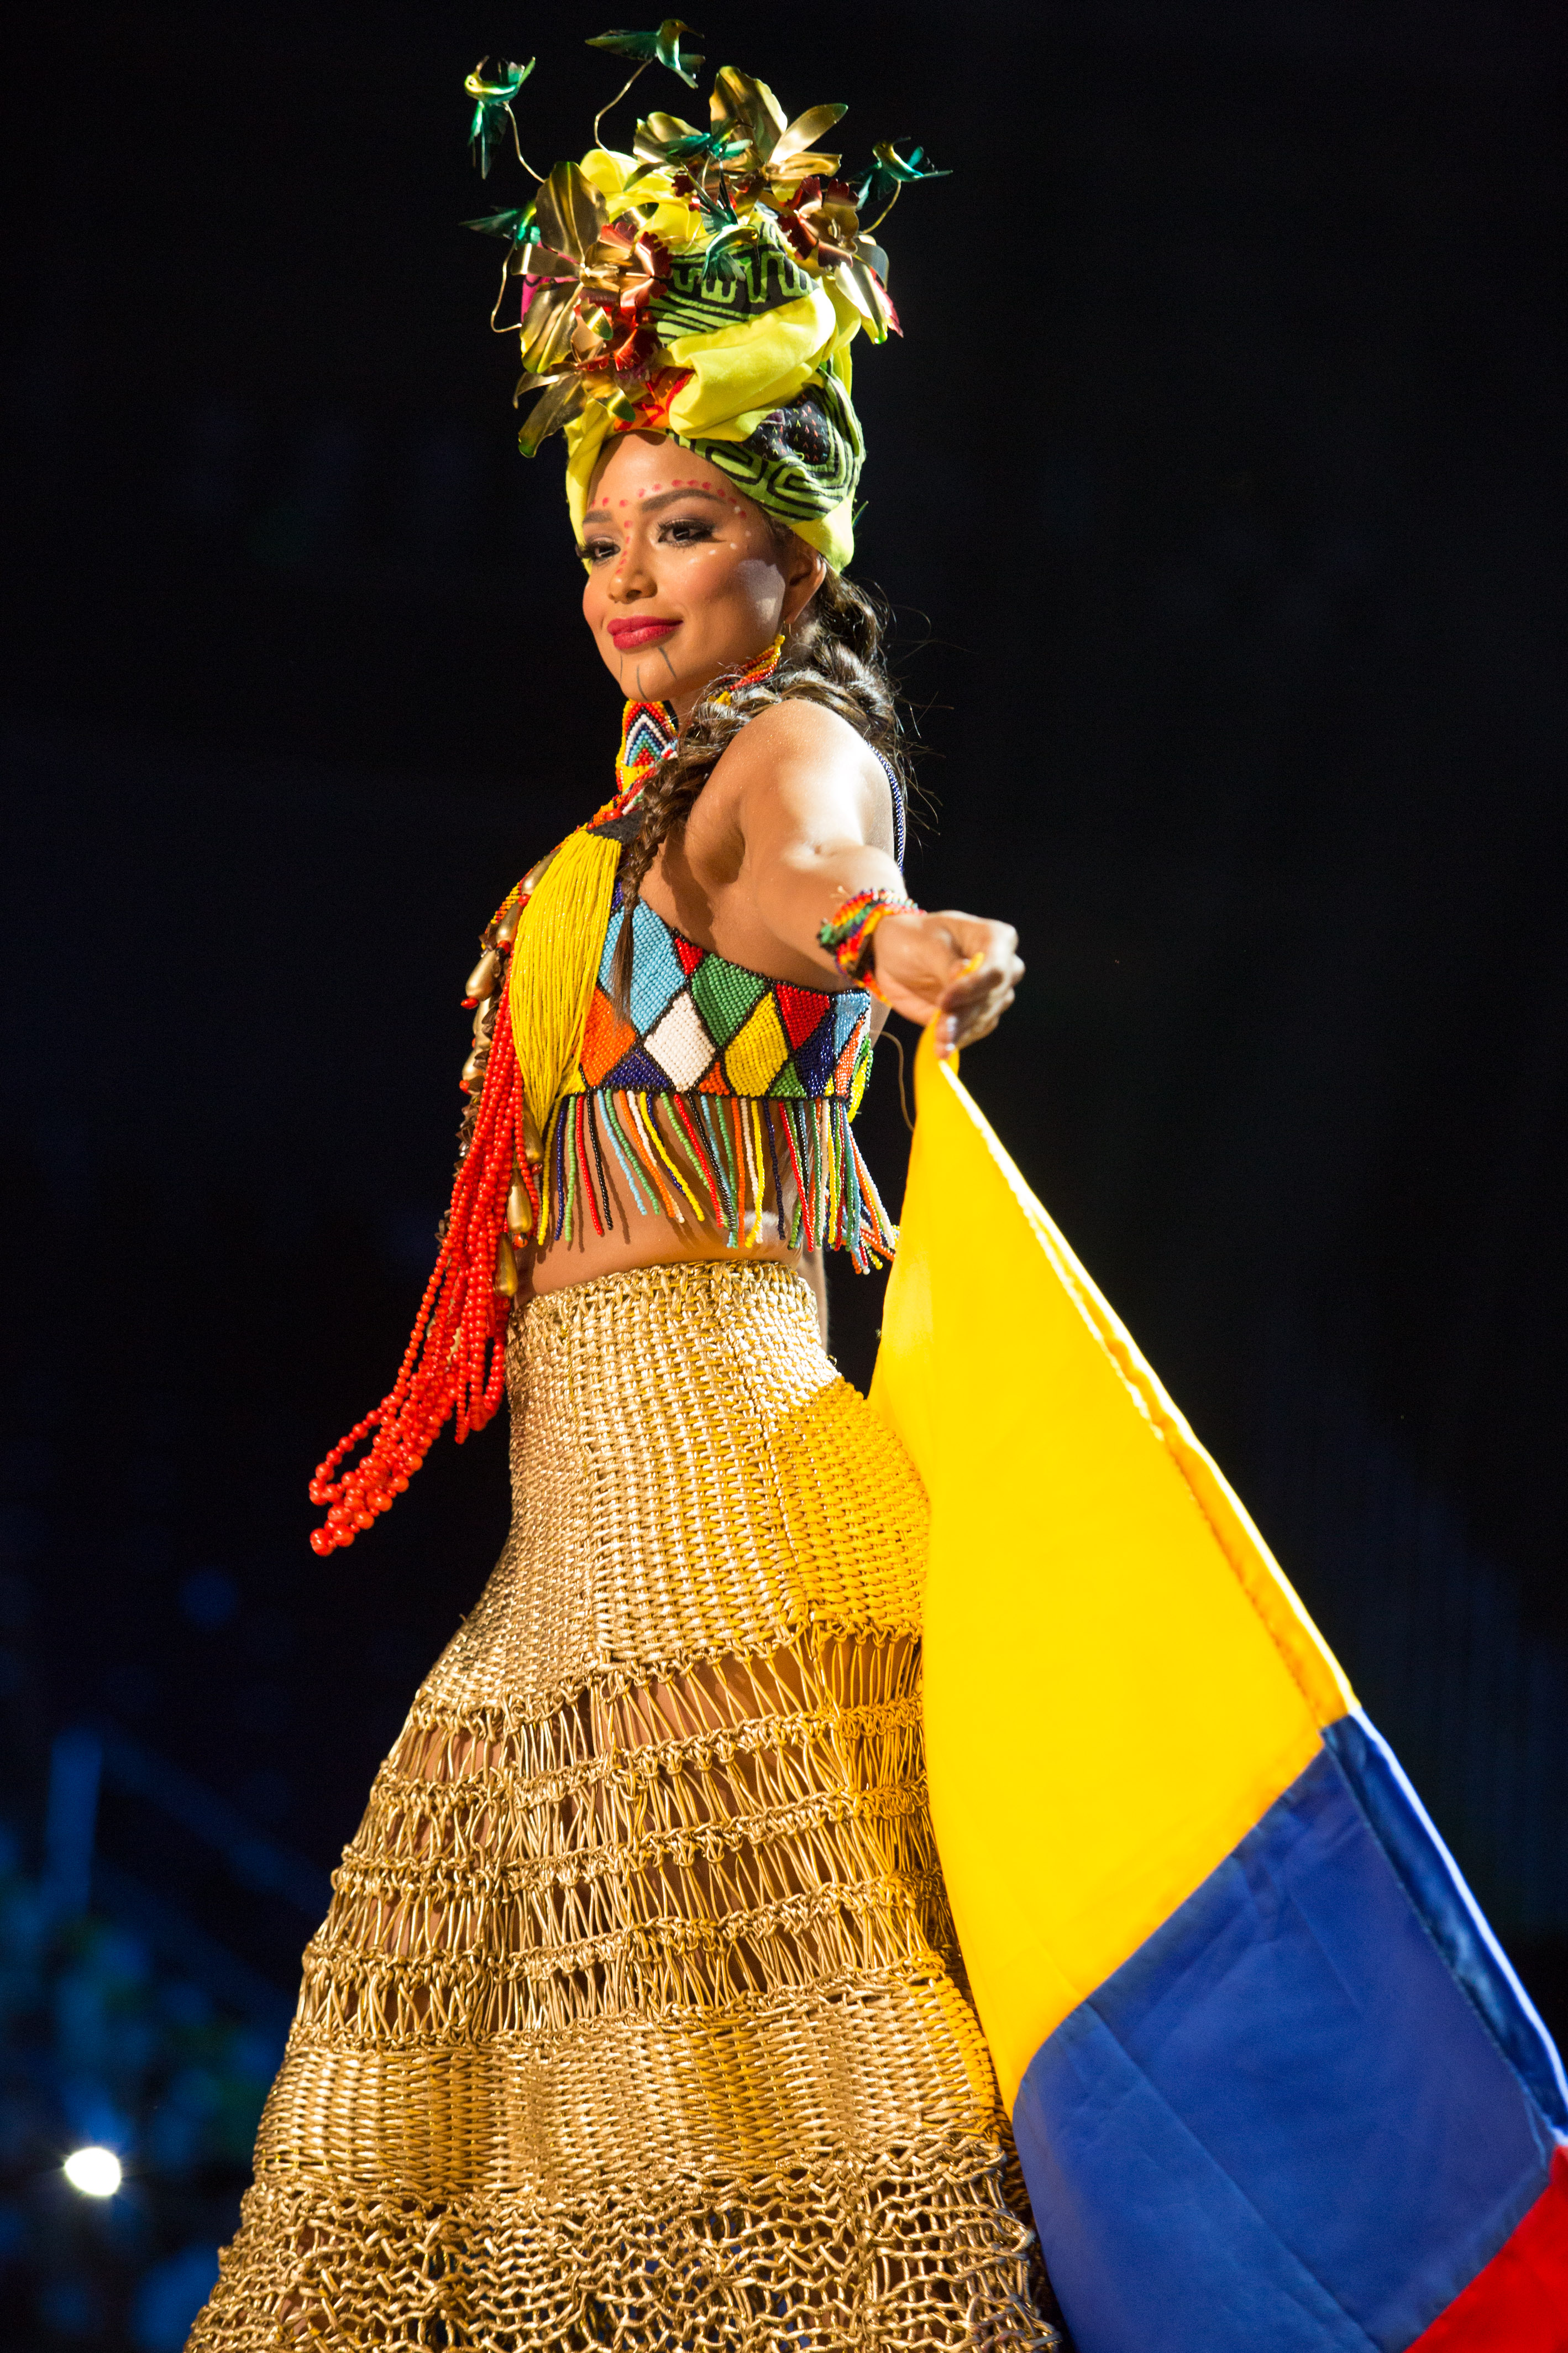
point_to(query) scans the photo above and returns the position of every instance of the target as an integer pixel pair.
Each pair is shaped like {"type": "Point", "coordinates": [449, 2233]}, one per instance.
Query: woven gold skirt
{"type": "Point", "coordinates": [634, 2020]}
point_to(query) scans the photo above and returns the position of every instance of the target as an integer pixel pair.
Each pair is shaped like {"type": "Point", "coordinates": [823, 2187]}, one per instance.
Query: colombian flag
{"type": "Point", "coordinates": [1275, 2086]}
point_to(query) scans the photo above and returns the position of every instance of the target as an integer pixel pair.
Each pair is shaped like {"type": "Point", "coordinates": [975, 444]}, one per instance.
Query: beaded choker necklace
{"type": "Point", "coordinates": [648, 732]}
{"type": "Point", "coordinates": [648, 738]}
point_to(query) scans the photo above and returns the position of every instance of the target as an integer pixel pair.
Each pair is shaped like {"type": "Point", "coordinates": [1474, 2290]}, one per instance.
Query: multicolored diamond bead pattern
{"type": "Point", "coordinates": [698, 1024]}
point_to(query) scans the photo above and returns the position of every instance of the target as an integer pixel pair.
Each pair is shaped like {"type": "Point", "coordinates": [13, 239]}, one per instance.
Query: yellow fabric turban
{"type": "Point", "coordinates": [709, 286]}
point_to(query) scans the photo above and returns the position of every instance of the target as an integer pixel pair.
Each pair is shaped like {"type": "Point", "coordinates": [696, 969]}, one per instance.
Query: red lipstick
{"type": "Point", "coordinates": [647, 629]}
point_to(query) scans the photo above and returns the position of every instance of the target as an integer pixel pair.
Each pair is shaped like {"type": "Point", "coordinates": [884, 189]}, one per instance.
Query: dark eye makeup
{"type": "Point", "coordinates": [674, 531]}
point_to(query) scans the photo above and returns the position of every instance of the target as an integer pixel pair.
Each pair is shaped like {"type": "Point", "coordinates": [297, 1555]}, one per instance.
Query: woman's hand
{"type": "Point", "coordinates": [958, 967]}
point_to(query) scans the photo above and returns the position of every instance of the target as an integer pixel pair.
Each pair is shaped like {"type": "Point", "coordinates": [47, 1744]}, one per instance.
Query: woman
{"type": "Point", "coordinates": [637, 2016]}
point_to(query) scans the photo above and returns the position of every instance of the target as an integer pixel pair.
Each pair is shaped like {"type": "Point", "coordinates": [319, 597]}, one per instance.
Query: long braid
{"type": "Point", "coordinates": [834, 654]}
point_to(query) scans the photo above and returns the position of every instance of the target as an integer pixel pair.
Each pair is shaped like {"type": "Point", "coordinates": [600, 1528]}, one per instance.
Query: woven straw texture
{"type": "Point", "coordinates": [635, 2020]}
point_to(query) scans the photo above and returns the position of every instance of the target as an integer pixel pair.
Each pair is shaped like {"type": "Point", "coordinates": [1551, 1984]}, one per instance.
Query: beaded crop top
{"type": "Point", "coordinates": [719, 1091]}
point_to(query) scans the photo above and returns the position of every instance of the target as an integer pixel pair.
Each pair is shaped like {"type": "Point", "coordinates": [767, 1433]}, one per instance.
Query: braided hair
{"type": "Point", "coordinates": [834, 653]}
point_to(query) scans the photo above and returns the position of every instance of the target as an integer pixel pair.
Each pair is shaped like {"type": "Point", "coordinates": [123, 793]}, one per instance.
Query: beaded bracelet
{"type": "Point", "coordinates": [848, 931]}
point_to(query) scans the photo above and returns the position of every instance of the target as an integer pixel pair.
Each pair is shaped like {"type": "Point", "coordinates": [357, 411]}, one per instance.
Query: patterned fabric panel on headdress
{"type": "Point", "coordinates": [691, 304]}
{"type": "Point", "coordinates": [802, 462]}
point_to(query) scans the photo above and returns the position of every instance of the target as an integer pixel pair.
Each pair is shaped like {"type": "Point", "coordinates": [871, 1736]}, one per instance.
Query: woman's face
{"type": "Point", "coordinates": [686, 578]}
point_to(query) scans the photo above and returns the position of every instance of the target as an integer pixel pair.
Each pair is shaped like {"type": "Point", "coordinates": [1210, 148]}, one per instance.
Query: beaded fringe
{"type": "Point", "coordinates": [722, 1160]}
{"type": "Point", "coordinates": [636, 2018]}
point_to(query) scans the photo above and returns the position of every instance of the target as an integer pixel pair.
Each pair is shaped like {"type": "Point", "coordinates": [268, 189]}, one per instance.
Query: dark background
{"type": "Point", "coordinates": [1218, 485]}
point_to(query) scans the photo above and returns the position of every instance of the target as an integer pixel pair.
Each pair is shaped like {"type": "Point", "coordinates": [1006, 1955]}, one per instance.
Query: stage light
{"type": "Point", "coordinates": [94, 2171]}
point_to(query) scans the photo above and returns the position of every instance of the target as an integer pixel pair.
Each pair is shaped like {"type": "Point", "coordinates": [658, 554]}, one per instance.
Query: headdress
{"type": "Point", "coordinates": [708, 285]}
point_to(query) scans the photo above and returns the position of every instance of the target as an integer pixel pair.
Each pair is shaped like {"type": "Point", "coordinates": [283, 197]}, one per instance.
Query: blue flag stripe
{"type": "Point", "coordinates": [1453, 1919]}
{"type": "Point", "coordinates": [1282, 2122]}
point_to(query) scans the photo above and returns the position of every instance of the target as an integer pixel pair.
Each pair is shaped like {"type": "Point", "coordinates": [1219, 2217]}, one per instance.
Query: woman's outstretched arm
{"type": "Point", "coordinates": [811, 810]}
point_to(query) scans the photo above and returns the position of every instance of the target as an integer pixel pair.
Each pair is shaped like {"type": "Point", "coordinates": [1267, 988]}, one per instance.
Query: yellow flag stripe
{"type": "Point", "coordinates": [1119, 1679]}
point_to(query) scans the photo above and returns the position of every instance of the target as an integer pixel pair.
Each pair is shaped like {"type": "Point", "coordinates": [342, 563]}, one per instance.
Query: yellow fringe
{"type": "Point", "coordinates": [556, 962]}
